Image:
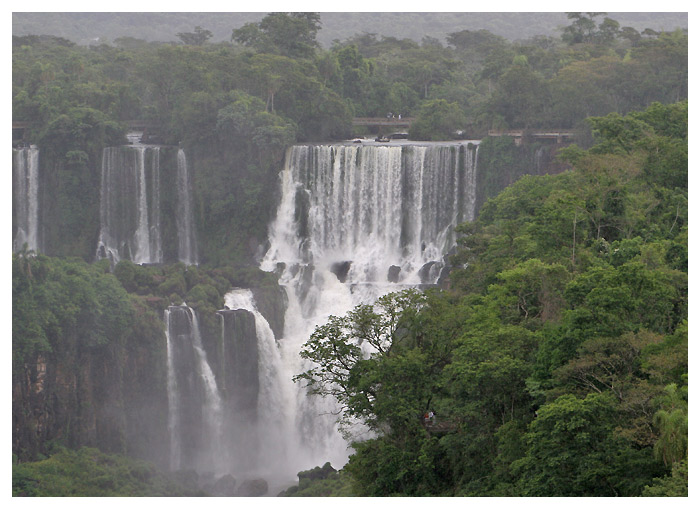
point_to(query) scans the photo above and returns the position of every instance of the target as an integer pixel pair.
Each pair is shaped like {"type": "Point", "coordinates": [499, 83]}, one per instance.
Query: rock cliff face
{"type": "Point", "coordinates": [239, 364]}
{"type": "Point", "coordinates": [109, 396]}
{"type": "Point", "coordinates": [141, 378]}
{"type": "Point", "coordinates": [271, 301]}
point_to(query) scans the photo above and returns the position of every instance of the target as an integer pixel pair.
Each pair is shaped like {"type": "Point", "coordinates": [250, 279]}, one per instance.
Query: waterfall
{"type": "Point", "coordinates": [130, 205]}
{"type": "Point", "coordinates": [187, 241]}
{"type": "Point", "coordinates": [267, 448]}
{"type": "Point", "coordinates": [370, 214]}
{"type": "Point", "coordinates": [173, 400]}
{"type": "Point", "coordinates": [195, 416]}
{"type": "Point", "coordinates": [142, 236]}
{"type": "Point", "coordinates": [354, 223]}
{"type": "Point", "coordinates": [540, 159]}
{"type": "Point", "coordinates": [25, 172]}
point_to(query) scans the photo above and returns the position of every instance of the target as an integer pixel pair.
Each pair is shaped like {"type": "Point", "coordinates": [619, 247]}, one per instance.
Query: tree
{"type": "Point", "coordinates": [347, 353]}
{"type": "Point", "coordinates": [584, 88]}
{"type": "Point", "coordinates": [269, 74]}
{"type": "Point", "coordinates": [521, 95]}
{"type": "Point", "coordinates": [675, 485]}
{"type": "Point", "coordinates": [289, 34]}
{"type": "Point", "coordinates": [582, 29]}
{"type": "Point", "coordinates": [354, 75]}
{"type": "Point", "coordinates": [437, 120]}
{"type": "Point", "coordinates": [672, 422]}
{"type": "Point", "coordinates": [197, 38]}
{"type": "Point", "coordinates": [573, 451]}
{"type": "Point", "coordinates": [245, 120]}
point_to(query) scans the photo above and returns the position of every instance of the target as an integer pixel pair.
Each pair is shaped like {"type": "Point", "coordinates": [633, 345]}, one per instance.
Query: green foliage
{"type": "Point", "coordinates": [342, 372]}
{"type": "Point", "coordinates": [437, 120]}
{"type": "Point", "coordinates": [76, 97]}
{"type": "Point", "coordinates": [501, 163]}
{"type": "Point", "coordinates": [88, 472]}
{"type": "Point", "coordinates": [289, 34]}
{"type": "Point", "coordinates": [197, 38]}
{"type": "Point", "coordinates": [385, 468]}
{"type": "Point", "coordinates": [245, 118]}
{"type": "Point", "coordinates": [674, 485]}
{"type": "Point", "coordinates": [547, 361]}
{"type": "Point", "coordinates": [59, 303]}
{"type": "Point", "coordinates": [660, 133]}
{"type": "Point", "coordinates": [583, 29]}
{"type": "Point", "coordinates": [672, 423]}
{"type": "Point", "coordinates": [521, 95]}
{"type": "Point", "coordinates": [573, 451]}
{"type": "Point", "coordinates": [321, 482]}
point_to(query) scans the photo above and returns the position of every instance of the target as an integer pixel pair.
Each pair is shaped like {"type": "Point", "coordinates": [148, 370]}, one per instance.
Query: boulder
{"type": "Point", "coordinates": [393, 274]}
{"type": "Point", "coordinates": [225, 486]}
{"type": "Point", "coordinates": [252, 488]}
{"type": "Point", "coordinates": [316, 473]}
{"type": "Point", "coordinates": [341, 269]}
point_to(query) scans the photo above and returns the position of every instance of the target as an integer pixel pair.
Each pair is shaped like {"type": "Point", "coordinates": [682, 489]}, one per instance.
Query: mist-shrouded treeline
{"type": "Point", "coordinates": [92, 27]}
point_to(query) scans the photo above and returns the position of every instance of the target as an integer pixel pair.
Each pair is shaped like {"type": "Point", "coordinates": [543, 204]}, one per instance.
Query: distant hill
{"type": "Point", "coordinates": [87, 28]}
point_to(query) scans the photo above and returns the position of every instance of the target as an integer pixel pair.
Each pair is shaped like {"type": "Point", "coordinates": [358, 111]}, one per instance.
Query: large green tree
{"type": "Point", "coordinates": [288, 34]}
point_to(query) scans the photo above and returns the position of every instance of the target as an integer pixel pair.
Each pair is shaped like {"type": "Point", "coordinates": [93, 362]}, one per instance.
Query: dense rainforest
{"type": "Point", "coordinates": [552, 362]}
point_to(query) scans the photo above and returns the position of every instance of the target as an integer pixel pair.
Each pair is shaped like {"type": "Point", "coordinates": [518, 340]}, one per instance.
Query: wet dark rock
{"type": "Point", "coordinates": [252, 488]}
{"type": "Point", "coordinates": [225, 486]}
{"type": "Point", "coordinates": [393, 274]}
{"type": "Point", "coordinates": [293, 269]}
{"type": "Point", "coordinates": [424, 272]}
{"type": "Point", "coordinates": [271, 301]}
{"type": "Point", "coordinates": [306, 279]}
{"type": "Point", "coordinates": [341, 269]}
{"type": "Point", "coordinates": [240, 381]}
{"type": "Point", "coordinates": [188, 479]}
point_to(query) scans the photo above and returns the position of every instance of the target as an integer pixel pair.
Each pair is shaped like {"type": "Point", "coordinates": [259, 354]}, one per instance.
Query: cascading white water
{"type": "Point", "coordinates": [271, 456]}
{"type": "Point", "coordinates": [195, 416]}
{"type": "Point", "coordinates": [539, 158]}
{"type": "Point", "coordinates": [355, 223]}
{"type": "Point", "coordinates": [142, 236]}
{"type": "Point", "coordinates": [156, 247]}
{"type": "Point", "coordinates": [212, 412]}
{"type": "Point", "coordinates": [175, 439]}
{"type": "Point", "coordinates": [187, 241]}
{"type": "Point", "coordinates": [26, 198]}
{"type": "Point", "coordinates": [129, 206]}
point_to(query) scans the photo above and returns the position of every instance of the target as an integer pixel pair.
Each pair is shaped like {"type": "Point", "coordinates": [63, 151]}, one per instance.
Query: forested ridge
{"type": "Point", "coordinates": [553, 364]}
{"type": "Point", "coordinates": [94, 27]}
{"type": "Point", "coordinates": [594, 68]}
